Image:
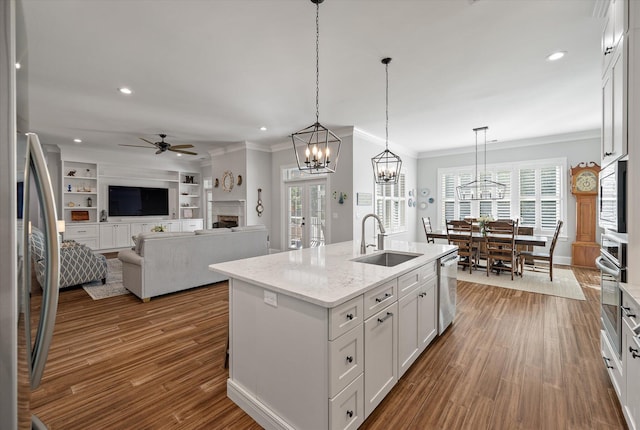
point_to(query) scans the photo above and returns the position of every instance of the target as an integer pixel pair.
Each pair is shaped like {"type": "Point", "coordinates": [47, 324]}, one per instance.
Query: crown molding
{"type": "Point", "coordinates": [533, 141]}
{"type": "Point", "coordinates": [357, 132]}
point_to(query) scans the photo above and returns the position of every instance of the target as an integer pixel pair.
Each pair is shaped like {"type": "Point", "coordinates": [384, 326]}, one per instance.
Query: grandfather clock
{"type": "Point", "coordinates": [584, 186]}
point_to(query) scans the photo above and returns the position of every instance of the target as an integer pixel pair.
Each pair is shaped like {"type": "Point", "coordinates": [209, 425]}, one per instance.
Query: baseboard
{"type": "Point", "coordinates": [254, 408]}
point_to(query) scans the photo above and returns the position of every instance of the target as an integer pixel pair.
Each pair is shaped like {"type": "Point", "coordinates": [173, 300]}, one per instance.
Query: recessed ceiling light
{"type": "Point", "coordinates": [18, 65]}
{"type": "Point", "coordinates": [76, 140]}
{"type": "Point", "coordinates": [556, 55]}
{"type": "Point", "coordinates": [179, 155]}
{"type": "Point", "coordinates": [125, 90]}
{"type": "Point", "coordinates": [263, 128]}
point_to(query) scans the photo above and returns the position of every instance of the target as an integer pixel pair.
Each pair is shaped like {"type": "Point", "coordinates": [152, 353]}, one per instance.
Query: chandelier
{"type": "Point", "coordinates": [316, 147]}
{"type": "Point", "coordinates": [481, 188]}
{"type": "Point", "coordinates": [386, 165]}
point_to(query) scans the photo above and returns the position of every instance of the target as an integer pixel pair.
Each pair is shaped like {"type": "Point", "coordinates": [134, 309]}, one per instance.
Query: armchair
{"type": "Point", "coordinates": [78, 263]}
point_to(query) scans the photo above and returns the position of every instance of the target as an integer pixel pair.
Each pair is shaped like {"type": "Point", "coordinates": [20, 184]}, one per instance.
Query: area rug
{"type": "Point", "coordinates": [564, 282]}
{"type": "Point", "coordinates": [113, 287]}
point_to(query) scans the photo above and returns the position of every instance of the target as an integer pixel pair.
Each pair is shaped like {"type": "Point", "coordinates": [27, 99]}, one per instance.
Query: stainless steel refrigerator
{"type": "Point", "coordinates": [23, 177]}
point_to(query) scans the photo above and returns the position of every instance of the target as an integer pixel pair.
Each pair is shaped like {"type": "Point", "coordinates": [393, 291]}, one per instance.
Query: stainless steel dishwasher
{"type": "Point", "coordinates": [447, 289]}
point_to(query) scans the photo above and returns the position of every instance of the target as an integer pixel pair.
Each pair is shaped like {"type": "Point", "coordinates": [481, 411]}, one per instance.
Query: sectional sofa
{"type": "Point", "coordinates": [163, 263]}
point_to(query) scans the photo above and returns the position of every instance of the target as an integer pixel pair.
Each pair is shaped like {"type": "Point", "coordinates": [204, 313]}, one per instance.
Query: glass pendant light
{"type": "Point", "coordinates": [316, 147]}
{"type": "Point", "coordinates": [386, 165]}
{"type": "Point", "coordinates": [481, 188]}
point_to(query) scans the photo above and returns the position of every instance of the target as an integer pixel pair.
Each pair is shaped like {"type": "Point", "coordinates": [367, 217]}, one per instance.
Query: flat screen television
{"type": "Point", "coordinates": [138, 201]}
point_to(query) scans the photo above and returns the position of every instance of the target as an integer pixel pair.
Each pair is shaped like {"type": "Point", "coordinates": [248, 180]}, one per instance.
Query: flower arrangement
{"type": "Point", "coordinates": [158, 229]}
{"type": "Point", "coordinates": [482, 223]}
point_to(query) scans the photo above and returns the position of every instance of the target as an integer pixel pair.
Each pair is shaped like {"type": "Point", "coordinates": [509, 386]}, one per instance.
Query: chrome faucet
{"type": "Point", "coordinates": [363, 244]}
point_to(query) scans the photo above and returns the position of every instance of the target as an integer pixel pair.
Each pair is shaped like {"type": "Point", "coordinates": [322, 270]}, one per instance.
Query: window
{"type": "Point", "coordinates": [391, 205]}
{"type": "Point", "coordinates": [535, 194]}
{"type": "Point", "coordinates": [208, 192]}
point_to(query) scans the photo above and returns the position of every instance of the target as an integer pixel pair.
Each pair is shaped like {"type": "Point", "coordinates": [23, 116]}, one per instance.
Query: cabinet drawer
{"type": "Point", "coordinates": [380, 297]}
{"type": "Point", "coordinates": [344, 317]}
{"type": "Point", "coordinates": [192, 225]}
{"type": "Point", "coordinates": [346, 359]}
{"type": "Point", "coordinates": [408, 282]}
{"type": "Point", "coordinates": [80, 231]}
{"type": "Point", "coordinates": [346, 410]}
{"type": "Point", "coordinates": [613, 365]}
{"type": "Point", "coordinates": [630, 311]}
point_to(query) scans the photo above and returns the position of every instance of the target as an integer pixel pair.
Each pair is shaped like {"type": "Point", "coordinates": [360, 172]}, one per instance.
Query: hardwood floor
{"type": "Point", "coordinates": [511, 360]}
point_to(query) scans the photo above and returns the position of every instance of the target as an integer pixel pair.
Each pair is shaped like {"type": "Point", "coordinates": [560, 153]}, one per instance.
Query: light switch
{"type": "Point", "coordinates": [271, 298]}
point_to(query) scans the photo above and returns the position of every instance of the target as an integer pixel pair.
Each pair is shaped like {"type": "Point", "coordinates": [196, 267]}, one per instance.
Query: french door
{"type": "Point", "coordinates": [306, 214]}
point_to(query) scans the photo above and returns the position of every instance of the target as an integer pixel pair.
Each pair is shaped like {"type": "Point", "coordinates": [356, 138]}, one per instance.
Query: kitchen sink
{"type": "Point", "coordinates": [386, 258]}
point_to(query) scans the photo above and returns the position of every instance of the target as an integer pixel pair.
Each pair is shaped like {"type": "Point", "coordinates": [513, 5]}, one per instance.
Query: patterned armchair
{"type": "Point", "coordinates": [78, 263]}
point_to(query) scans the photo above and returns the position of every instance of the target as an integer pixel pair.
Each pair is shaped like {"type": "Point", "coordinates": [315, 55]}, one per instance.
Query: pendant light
{"type": "Point", "coordinates": [481, 188]}
{"type": "Point", "coordinates": [386, 165]}
{"type": "Point", "coordinates": [316, 147]}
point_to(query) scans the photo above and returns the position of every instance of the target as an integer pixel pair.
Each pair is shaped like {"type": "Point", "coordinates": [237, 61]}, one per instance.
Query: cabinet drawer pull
{"type": "Point", "coordinates": [634, 352]}
{"type": "Point", "coordinates": [422, 295]}
{"type": "Point", "coordinates": [82, 231]}
{"type": "Point", "coordinates": [350, 414]}
{"type": "Point", "coordinates": [349, 359]}
{"type": "Point", "coordinates": [349, 317]}
{"type": "Point", "coordinates": [606, 154]}
{"type": "Point", "coordinates": [606, 362]}
{"type": "Point", "coordinates": [386, 296]}
{"type": "Point", "coordinates": [627, 312]}
{"type": "Point", "coordinates": [386, 317]}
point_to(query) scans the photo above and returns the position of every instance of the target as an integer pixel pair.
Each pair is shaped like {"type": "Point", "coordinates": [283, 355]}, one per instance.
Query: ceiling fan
{"type": "Point", "coordinates": [163, 146]}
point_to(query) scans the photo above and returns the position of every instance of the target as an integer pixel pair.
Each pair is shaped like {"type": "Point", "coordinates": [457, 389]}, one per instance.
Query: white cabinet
{"type": "Point", "coordinates": [139, 227]}
{"type": "Point", "coordinates": [614, 107]}
{"type": "Point", "coordinates": [631, 361]}
{"type": "Point", "coordinates": [631, 357]}
{"type": "Point", "coordinates": [417, 314]}
{"type": "Point", "coordinates": [87, 234]}
{"type": "Point", "coordinates": [428, 312]}
{"type": "Point", "coordinates": [615, 27]}
{"type": "Point", "coordinates": [613, 365]}
{"type": "Point", "coordinates": [146, 227]}
{"type": "Point", "coordinates": [115, 235]}
{"type": "Point", "coordinates": [192, 224]}
{"type": "Point", "coordinates": [171, 226]}
{"type": "Point", "coordinates": [381, 356]}
{"type": "Point", "coordinates": [408, 339]}
{"type": "Point", "coordinates": [312, 367]}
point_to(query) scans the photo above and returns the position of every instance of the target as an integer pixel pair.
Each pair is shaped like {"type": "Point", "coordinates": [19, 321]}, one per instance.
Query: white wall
{"type": "Point", "coordinates": [576, 151]}
{"type": "Point", "coordinates": [232, 159]}
{"type": "Point", "coordinates": [258, 175]}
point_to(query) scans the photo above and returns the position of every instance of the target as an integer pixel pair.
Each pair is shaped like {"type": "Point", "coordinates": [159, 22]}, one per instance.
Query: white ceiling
{"type": "Point", "coordinates": [213, 72]}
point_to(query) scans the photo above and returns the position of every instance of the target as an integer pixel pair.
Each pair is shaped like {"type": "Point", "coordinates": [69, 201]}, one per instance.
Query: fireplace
{"type": "Point", "coordinates": [227, 221]}
{"type": "Point", "coordinates": [228, 213]}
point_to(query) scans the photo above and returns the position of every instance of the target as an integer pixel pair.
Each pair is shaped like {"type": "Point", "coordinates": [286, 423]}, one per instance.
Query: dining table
{"type": "Point", "coordinates": [521, 239]}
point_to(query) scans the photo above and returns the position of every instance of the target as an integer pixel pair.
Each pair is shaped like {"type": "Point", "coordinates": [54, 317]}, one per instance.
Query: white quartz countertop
{"type": "Point", "coordinates": [633, 290]}
{"type": "Point", "coordinates": [325, 275]}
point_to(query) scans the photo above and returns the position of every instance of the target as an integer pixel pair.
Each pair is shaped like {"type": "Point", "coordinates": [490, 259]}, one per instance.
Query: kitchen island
{"type": "Point", "coordinates": [317, 339]}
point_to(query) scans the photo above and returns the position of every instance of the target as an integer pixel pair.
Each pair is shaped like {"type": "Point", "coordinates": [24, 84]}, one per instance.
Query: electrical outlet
{"type": "Point", "coordinates": [271, 298]}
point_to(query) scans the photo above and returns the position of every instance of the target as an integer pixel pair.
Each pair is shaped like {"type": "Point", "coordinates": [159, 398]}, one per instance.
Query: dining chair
{"type": "Point", "coordinates": [426, 223]}
{"type": "Point", "coordinates": [500, 246]}
{"type": "Point", "coordinates": [460, 233]}
{"type": "Point", "coordinates": [547, 257]}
